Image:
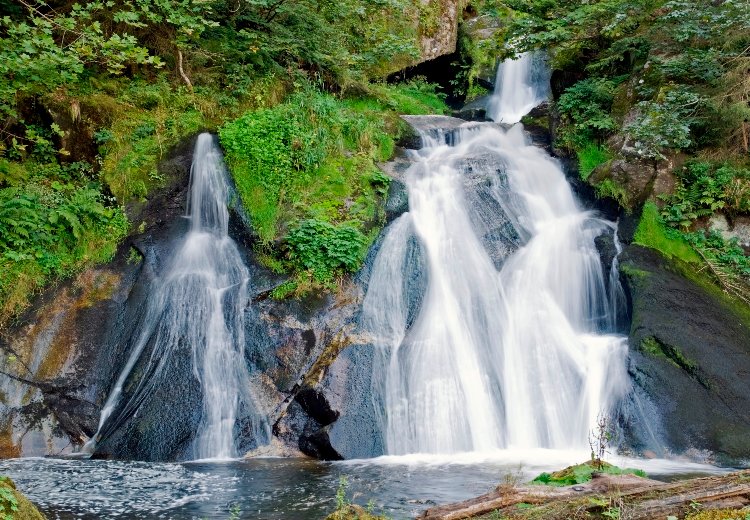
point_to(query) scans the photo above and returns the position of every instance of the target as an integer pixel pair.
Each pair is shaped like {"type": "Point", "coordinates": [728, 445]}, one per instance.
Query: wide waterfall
{"type": "Point", "coordinates": [197, 301]}
{"type": "Point", "coordinates": [508, 342]}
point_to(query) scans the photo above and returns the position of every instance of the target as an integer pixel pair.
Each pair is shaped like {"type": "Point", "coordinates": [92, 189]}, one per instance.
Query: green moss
{"type": "Point", "coordinates": [542, 121]}
{"type": "Point", "coordinates": [609, 188]}
{"type": "Point", "coordinates": [653, 233]}
{"type": "Point", "coordinates": [581, 473]}
{"type": "Point", "coordinates": [591, 156]}
{"type": "Point", "coordinates": [15, 506]}
{"type": "Point", "coordinates": [656, 348]}
{"type": "Point", "coordinates": [720, 514]}
{"type": "Point", "coordinates": [651, 346]}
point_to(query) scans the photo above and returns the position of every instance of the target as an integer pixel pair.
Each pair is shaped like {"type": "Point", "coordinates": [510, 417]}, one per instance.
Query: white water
{"type": "Point", "coordinates": [520, 85]}
{"type": "Point", "coordinates": [518, 357]}
{"type": "Point", "coordinates": [199, 301]}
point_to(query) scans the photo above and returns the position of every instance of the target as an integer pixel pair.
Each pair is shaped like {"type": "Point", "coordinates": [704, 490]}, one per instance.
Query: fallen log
{"type": "Point", "coordinates": [628, 496]}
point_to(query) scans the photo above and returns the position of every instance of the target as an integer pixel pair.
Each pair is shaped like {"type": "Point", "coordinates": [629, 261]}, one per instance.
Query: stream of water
{"type": "Point", "coordinates": [505, 352]}
{"type": "Point", "coordinates": [282, 489]}
{"type": "Point", "coordinates": [198, 301]}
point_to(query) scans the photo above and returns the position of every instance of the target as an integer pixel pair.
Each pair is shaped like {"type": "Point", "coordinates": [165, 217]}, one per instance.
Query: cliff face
{"type": "Point", "coordinates": [437, 28]}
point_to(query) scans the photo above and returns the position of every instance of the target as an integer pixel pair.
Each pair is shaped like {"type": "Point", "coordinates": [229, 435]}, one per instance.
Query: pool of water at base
{"type": "Point", "coordinates": [288, 489]}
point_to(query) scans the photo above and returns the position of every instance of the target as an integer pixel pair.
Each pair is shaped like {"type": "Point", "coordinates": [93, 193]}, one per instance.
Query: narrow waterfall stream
{"type": "Point", "coordinates": [198, 301]}
{"type": "Point", "coordinates": [504, 348]}
{"type": "Point", "coordinates": [520, 85]}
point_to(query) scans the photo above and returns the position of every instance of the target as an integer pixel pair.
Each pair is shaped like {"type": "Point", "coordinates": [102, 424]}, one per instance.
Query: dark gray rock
{"type": "Point", "coordinates": [397, 200]}
{"type": "Point", "coordinates": [475, 110]}
{"type": "Point", "coordinates": [689, 358]}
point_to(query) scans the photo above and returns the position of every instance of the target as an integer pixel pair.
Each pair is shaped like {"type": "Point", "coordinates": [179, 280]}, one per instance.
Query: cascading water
{"type": "Point", "coordinates": [509, 350]}
{"type": "Point", "coordinates": [199, 302]}
{"type": "Point", "coordinates": [520, 85]}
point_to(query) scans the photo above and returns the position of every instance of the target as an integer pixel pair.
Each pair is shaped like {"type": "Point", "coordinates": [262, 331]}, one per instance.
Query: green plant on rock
{"type": "Point", "coordinates": [654, 233]}
{"type": "Point", "coordinates": [704, 188]}
{"type": "Point", "coordinates": [609, 188]}
{"type": "Point", "coordinates": [324, 249]}
{"type": "Point", "coordinates": [8, 500]}
{"type": "Point", "coordinates": [665, 123]}
{"type": "Point", "coordinates": [585, 112]}
{"type": "Point", "coordinates": [582, 473]}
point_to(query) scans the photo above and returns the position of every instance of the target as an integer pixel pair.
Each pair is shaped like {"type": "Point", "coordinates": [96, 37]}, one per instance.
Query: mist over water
{"type": "Point", "coordinates": [513, 351]}
{"type": "Point", "coordinates": [198, 301]}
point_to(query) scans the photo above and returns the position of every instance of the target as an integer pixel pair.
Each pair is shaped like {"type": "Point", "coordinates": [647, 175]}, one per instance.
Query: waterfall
{"type": "Point", "coordinates": [520, 85]}
{"type": "Point", "coordinates": [508, 347]}
{"type": "Point", "coordinates": [198, 301]}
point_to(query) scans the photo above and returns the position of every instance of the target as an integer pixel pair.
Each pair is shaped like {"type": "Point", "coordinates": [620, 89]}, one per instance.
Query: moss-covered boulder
{"type": "Point", "coordinates": [14, 505]}
{"type": "Point", "coordinates": [580, 473]}
{"type": "Point", "coordinates": [689, 359]}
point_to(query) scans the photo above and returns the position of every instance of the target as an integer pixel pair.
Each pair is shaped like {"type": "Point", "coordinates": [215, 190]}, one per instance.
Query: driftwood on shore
{"type": "Point", "coordinates": [632, 497]}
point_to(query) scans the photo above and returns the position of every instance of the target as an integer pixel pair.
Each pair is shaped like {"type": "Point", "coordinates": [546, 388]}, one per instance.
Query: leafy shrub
{"type": "Point", "coordinates": [727, 253]}
{"type": "Point", "coordinates": [665, 123]}
{"type": "Point", "coordinates": [325, 249]}
{"type": "Point", "coordinates": [585, 112]}
{"type": "Point", "coordinates": [703, 188]}
{"type": "Point", "coordinates": [48, 230]}
{"type": "Point", "coordinates": [307, 156]}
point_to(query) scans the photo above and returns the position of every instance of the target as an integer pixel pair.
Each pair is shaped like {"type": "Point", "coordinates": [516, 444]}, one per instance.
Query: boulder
{"type": "Point", "coordinates": [689, 359]}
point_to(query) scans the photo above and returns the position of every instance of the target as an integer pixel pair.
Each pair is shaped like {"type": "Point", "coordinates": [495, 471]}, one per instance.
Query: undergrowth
{"type": "Point", "coordinates": [306, 173]}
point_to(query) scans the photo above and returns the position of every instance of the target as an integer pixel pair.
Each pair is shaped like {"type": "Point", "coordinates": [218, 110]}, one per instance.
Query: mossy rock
{"type": "Point", "coordinates": [721, 514]}
{"type": "Point", "coordinates": [13, 501]}
{"type": "Point", "coordinates": [689, 358]}
{"type": "Point", "coordinates": [580, 473]}
{"type": "Point", "coordinates": [353, 512]}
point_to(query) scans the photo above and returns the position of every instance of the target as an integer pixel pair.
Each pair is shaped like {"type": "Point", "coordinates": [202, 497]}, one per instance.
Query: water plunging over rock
{"type": "Point", "coordinates": [195, 310]}
{"type": "Point", "coordinates": [499, 347]}
{"type": "Point", "coordinates": [521, 85]}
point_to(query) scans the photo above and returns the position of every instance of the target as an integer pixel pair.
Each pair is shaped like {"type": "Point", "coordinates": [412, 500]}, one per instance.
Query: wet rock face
{"type": "Point", "coordinates": [690, 359]}
{"type": "Point", "coordinates": [64, 354]}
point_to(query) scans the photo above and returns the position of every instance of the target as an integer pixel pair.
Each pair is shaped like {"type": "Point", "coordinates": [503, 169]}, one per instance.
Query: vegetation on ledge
{"type": "Point", "coordinates": [581, 473]}
{"type": "Point", "coordinates": [306, 173]}
{"type": "Point", "coordinates": [95, 94]}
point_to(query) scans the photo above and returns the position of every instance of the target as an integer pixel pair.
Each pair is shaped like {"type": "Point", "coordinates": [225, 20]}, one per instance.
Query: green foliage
{"type": "Point", "coordinates": [664, 123]}
{"type": "Point", "coordinates": [653, 233]}
{"type": "Point", "coordinates": [585, 112]}
{"type": "Point", "coordinates": [305, 172]}
{"type": "Point", "coordinates": [703, 188]}
{"type": "Point", "coordinates": [726, 253]}
{"type": "Point", "coordinates": [582, 473]}
{"type": "Point", "coordinates": [590, 156]}
{"type": "Point", "coordinates": [324, 249]}
{"type": "Point", "coordinates": [51, 228]}
{"type": "Point", "coordinates": [8, 500]}
{"type": "Point", "coordinates": [609, 188]}
{"type": "Point", "coordinates": [682, 65]}
{"type": "Point", "coordinates": [341, 500]}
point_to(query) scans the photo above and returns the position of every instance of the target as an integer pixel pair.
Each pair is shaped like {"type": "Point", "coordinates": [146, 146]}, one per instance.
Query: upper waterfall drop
{"type": "Point", "coordinates": [520, 85]}
{"type": "Point", "coordinates": [196, 309]}
{"type": "Point", "coordinates": [508, 344]}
